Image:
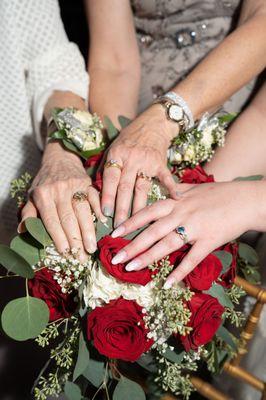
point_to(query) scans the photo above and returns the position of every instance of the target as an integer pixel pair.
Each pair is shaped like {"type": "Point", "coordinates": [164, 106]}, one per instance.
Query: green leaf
{"type": "Point", "coordinates": [37, 230]}
{"type": "Point", "coordinates": [226, 259]}
{"type": "Point", "coordinates": [59, 134]}
{"type": "Point", "coordinates": [123, 121]}
{"type": "Point", "coordinates": [224, 334]}
{"type": "Point", "coordinates": [27, 247]}
{"type": "Point", "coordinates": [127, 389]}
{"type": "Point", "coordinates": [112, 131]}
{"type": "Point", "coordinates": [83, 358]}
{"type": "Point", "coordinates": [249, 178]}
{"type": "Point", "coordinates": [147, 361]}
{"type": "Point", "coordinates": [104, 229]}
{"type": "Point", "coordinates": [227, 118]}
{"type": "Point", "coordinates": [72, 391]}
{"type": "Point", "coordinates": [248, 253]}
{"type": "Point", "coordinates": [173, 356]}
{"type": "Point", "coordinates": [218, 292]}
{"type": "Point", "coordinates": [95, 372]}
{"type": "Point", "coordinates": [25, 318]}
{"type": "Point", "coordinates": [89, 153]}
{"type": "Point", "coordinates": [13, 262]}
{"type": "Point", "coordinates": [71, 147]}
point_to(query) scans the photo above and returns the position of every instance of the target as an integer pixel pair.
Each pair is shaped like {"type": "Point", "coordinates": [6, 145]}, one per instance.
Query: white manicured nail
{"type": "Point", "coordinates": [133, 265]}
{"type": "Point", "coordinates": [119, 257]}
{"type": "Point", "coordinates": [168, 285]}
{"type": "Point", "coordinates": [118, 231]}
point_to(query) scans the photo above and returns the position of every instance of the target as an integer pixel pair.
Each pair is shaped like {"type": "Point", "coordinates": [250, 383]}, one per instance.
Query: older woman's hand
{"type": "Point", "coordinates": [140, 149]}
{"type": "Point", "coordinates": [68, 221]}
{"type": "Point", "coordinates": [210, 214]}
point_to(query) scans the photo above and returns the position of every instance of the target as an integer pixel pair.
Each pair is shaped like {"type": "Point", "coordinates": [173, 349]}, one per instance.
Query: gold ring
{"type": "Point", "coordinates": [112, 163]}
{"type": "Point", "coordinates": [144, 176]}
{"type": "Point", "coordinates": [80, 196]}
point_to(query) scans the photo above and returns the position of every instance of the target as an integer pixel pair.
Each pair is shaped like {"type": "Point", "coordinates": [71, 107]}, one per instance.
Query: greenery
{"type": "Point", "coordinates": [19, 188]}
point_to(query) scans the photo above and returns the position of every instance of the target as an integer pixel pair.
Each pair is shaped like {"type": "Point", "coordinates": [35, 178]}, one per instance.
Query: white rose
{"type": "Point", "coordinates": [207, 137]}
{"type": "Point", "coordinates": [189, 154]}
{"type": "Point", "coordinates": [143, 295]}
{"type": "Point", "coordinates": [84, 117]}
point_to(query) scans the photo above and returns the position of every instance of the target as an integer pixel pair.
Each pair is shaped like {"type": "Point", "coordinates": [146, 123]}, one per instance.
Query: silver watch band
{"type": "Point", "coordinates": [182, 103]}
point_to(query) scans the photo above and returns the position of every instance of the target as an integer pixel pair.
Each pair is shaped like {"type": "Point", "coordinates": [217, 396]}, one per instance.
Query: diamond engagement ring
{"type": "Point", "coordinates": [80, 196]}
{"type": "Point", "coordinates": [113, 163]}
{"type": "Point", "coordinates": [181, 231]}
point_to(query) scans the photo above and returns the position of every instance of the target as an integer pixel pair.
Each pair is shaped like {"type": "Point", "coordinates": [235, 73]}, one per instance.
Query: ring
{"type": "Point", "coordinates": [113, 163]}
{"type": "Point", "coordinates": [144, 176]}
{"type": "Point", "coordinates": [80, 196]}
{"type": "Point", "coordinates": [181, 231]}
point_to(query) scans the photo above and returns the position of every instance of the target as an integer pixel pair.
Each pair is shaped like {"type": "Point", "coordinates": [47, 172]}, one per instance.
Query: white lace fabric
{"type": "Point", "coordinates": [36, 58]}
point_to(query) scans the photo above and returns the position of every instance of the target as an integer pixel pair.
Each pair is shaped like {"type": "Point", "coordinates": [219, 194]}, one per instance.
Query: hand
{"type": "Point", "coordinates": [212, 214]}
{"type": "Point", "coordinates": [140, 147]}
{"type": "Point", "coordinates": [68, 222]}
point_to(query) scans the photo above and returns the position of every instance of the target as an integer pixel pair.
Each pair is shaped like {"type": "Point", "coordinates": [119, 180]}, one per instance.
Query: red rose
{"type": "Point", "coordinates": [196, 175]}
{"type": "Point", "coordinates": [43, 286]}
{"type": "Point", "coordinates": [204, 274]}
{"type": "Point", "coordinates": [206, 318]}
{"type": "Point", "coordinates": [118, 330]}
{"type": "Point", "coordinates": [227, 279]}
{"type": "Point", "coordinates": [95, 161]}
{"type": "Point", "coordinates": [108, 248]}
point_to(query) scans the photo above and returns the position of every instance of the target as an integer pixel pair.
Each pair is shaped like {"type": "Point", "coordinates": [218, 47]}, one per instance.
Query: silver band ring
{"type": "Point", "coordinates": [142, 175]}
{"type": "Point", "coordinates": [181, 231]}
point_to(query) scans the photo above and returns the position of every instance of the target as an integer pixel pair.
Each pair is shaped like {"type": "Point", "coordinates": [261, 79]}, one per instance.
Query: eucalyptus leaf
{"type": "Point", "coordinates": [248, 253]}
{"type": "Point", "coordinates": [95, 372]}
{"type": "Point", "coordinates": [249, 178]}
{"type": "Point", "coordinates": [127, 389]}
{"type": "Point", "coordinates": [218, 292]}
{"type": "Point", "coordinates": [27, 247]}
{"type": "Point", "coordinates": [71, 147]}
{"type": "Point", "coordinates": [147, 362]}
{"type": "Point", "coordinates": [83, 358]}
{"type": "Point", "coordinates": [227, 118]}
{"type": "Point", "coordinates": [226, 259]}
{"type": "Point", "coordinates": [59, 134]}
{"type": "Point", "coordinates": [123, 121]}
{"type": "Point", "coordinates": [112, 131]}
{"type": "Point", "coordinates": [72, 391]}
{"type": "Point", "coordinates": [25, 318]}
{"type": "Point", "coordinates": [89, 153]}
{"type": "Point", "coordinates": [224, 334]}
{"type": "Point", "coordinates": [173, 356]}
{"type": "Point", "coordinates": [14, 262]}
{"type": "Point", "coordinates": [104, 229]}
{"type": "Point", "coordinates": [37, 230]}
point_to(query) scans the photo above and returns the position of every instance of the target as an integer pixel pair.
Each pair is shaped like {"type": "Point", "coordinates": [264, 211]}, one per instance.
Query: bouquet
{"type": "Point", "coordinates": [99, 319]}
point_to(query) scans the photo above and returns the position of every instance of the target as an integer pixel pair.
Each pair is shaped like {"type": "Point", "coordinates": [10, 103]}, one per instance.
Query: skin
{"type": "Point", "coordinates": [61, 175]}
{"type": "Point", "coordinates": [210, 83]}
{"type": "Point", "coordinates": [212, 213]}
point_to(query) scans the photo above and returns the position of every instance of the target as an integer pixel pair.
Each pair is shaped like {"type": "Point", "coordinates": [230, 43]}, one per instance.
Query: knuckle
{"type": "Point", "coordinates": [124, 186]}
{"type": "Point", "coordinates": [67, 217]}
{"type": "Point", "coordinates": [40, 193]}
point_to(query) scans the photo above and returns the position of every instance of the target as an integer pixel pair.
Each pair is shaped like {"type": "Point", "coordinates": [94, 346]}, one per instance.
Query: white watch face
{"type": "Point", "coordinates": [175, 112]}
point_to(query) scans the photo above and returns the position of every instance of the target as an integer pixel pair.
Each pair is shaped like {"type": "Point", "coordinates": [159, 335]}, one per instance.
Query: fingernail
{"type": "Point", "coordinates": [92, 247]}
{"type": "Point", "coordinates": [19, 229]}
{"type": "Point", "coordinates": [133, 265]}
{"type": "Point", "coordinates": [119, 257]}
{"type": "Point", "coordinates": [103, 220]}
{"type": "Point", "coordinates": [118, 231]}
{"type": "Point", "coordinates": [168, 284]}
{"type": "Point", "coordinates": [108, 211]}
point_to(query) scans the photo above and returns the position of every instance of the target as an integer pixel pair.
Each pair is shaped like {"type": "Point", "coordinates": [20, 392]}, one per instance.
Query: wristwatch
{"type": "Point", "coordinates": [177, 110]}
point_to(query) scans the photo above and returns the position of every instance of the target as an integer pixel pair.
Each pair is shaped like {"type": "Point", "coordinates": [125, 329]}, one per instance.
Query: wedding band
{"type": "Point", "coordinates": [113, 163]}
{"type": "Point", "coordinates": [144, 176]}
{"type": "Point", "coordinates": [181, 231]}
{"type": "Point", "coordinates": [80, 196]}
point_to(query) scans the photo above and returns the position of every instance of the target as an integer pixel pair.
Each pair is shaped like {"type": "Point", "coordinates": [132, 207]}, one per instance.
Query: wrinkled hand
{"type": "Point", "coordinates": [140, 148]}
{"type": "Point", "coordinates": [68, 222]}
{"type": "Point", "coordinates": [212, 214]}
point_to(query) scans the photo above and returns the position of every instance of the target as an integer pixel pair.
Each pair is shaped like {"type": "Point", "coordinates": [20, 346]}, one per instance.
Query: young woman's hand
{"type": "Point", "coordinates": [141, 148]}
{"type": "Point", "coordinates": [68, 221]}
{"type": "Point", "coordinates": [212, 214]}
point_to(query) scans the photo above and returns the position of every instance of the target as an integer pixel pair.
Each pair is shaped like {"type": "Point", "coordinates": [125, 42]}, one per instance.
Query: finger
{"type": "Point", "coordinates": [124, 194]}
{"type": "Point", "coordinates": [84, 217]}
{"type": "Point", "coordinates": [70, 226]}
{"type": "Point", "coordinates": [142, 188]}
{"type": "Point", "coordinates": [111, 178]}
{"type": "Point", "coordinates": [197, 253]}
{"type": "Point", "coordinates": [167, 180]}
{"type": "Point", "coordinates": [144, 217]}
{"type": "Point", "coordinates": [29, 210]}
{"type": "Point", "coordinates": [182, 188]}
{"type": "Point", "coordinates": [146, 239]}
{"type": "Point", "coordinates": [50, 218]}
{"type": "Point", "coordinates": [163, 248]}
{"type": "Point", "coordinates": [94, 200]}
